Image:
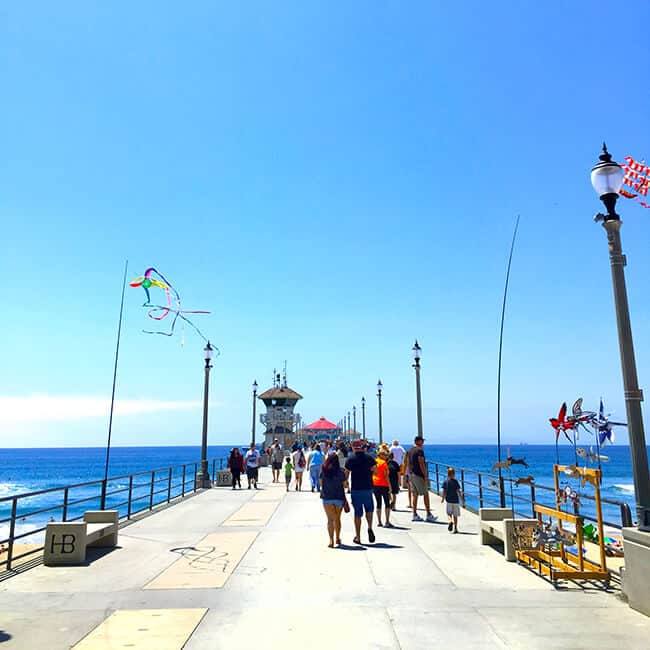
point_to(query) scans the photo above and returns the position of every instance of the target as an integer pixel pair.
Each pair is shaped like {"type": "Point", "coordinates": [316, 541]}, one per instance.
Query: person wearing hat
{"type": "Point", "coordinates": [419, 476]}
{"type": "Point", "coordinates": [360, 467]}
{"type": "Point", "coordinates": [276, 460]}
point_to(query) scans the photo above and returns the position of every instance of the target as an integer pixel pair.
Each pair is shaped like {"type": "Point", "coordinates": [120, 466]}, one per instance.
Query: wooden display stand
{"type": "Point", "coordinates": [560, 564]}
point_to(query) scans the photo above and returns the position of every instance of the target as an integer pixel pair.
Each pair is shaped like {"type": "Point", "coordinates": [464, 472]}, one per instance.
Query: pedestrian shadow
{"type": "Point", "coordinates": [394, 527]}
{"type": "Point", "coordinates": [383, 545]}
{"type": "Point", "coordinates": [348, 547]}
{"type": "Point", "coordinates": [463, 532]}
{"type": "Point", "coordinates": [4, 636]}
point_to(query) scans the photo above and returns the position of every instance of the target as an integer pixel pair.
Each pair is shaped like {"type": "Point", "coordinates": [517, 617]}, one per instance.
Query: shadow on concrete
{"type": "Point", "coordinates": [464, 532]}
{"type": "Point", "coordinates": [351, 547]}
{"type": "Point", "coordinates": [4, 636]}
{"type": "Point", "coordinates": [383, 545]}
{"type": "Point", "coordinates": [95, 552]}
{"type": "Point", "coordinates": [394, 527]}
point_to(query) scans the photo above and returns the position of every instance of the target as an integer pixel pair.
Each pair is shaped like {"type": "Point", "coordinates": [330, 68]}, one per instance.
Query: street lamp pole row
{"type": "Point", "coordinates": [381, 428]}
{"type": "Point", "coordinates": [203, 477]}
{"type": "Point", "coordinates": [607, 179]}
{"type": "Point", "coordinates": [417, 354]}
{"type": "Point", "coordinates": [254, 408]}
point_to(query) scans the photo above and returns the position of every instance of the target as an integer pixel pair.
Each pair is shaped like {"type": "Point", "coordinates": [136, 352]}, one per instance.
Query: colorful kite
{"type": "Point", "coordinates": [153, 278]}
{"type": "Point", "coordinates": [637, 178]}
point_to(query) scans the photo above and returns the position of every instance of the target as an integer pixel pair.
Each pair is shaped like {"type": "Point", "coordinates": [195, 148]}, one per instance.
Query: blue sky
{"type": "Point", "coordinates": [330, 180]}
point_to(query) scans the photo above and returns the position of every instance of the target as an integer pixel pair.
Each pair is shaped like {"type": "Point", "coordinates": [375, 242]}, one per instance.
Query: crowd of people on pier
{"type": "Point", "coordinates": [337, 469]}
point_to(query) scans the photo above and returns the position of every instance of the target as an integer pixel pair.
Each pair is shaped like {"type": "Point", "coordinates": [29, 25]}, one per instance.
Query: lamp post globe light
{"type": "Point", "coordinates": [363, 416]}
{"type": "Point", "coordinates": [607, 178]}
{"type": "Point", "coordinates": [203, 476]}
{"type": "Point", "coordinates": [254, 408]}
{"type": "Point", "coordinates": [417, 354]}
{"type": "Point", "coordinates": [380, 386]}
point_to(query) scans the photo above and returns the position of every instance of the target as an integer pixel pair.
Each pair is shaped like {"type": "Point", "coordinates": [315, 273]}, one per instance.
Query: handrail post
{"type": "Point", "coordinates": [183, 484]}
{"type": "Point", "coordinates": [195, 475]}
{"type": "Point", "coordinates": [532, 500]}
{"type": "Point", "coordinates": [214, 465]}
{"type": "Point", "coordinates": [169, 486]}
{"type": "Point", "coordinates": [626, 515]}
{"type": "Point", "coordinates": [153, 479]}
{"type": "Point", "coordinates": [462, 484]}
{"type": "Point", "coordinates": [64, 516]}
{"type": "Point", "coordinates": [12, 530]}
{"type": "Point", "coordinates": [480, 490]}
{"type": "Point", "coordinates": [102, 503]}
{"type": "Point", "coordinates": [221, 463]}
{"type": "Point", "coordinates": [128, 507]}
{"type": "Point", "coordinates": [502, 493]}
{"type": "Point", "coordinates": [437, 480]}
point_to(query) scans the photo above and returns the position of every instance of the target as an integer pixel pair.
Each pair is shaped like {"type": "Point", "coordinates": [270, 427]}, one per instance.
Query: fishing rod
{"type": "Point", "coordinates": [117, 354]}
{"type": "Point", "coordinates": [503, 314]}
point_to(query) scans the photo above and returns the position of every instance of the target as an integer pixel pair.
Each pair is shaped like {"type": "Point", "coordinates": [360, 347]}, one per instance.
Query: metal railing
{"type": "Point", "coordinates": [130, 495]}
{"type": "Point", "coordinates": [488, 490]}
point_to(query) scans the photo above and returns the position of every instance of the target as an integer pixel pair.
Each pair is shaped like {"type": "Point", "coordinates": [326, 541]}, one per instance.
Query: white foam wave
{"type": "Point", "coordinates": [625, 488]}
{"type": "Point", "coordinates": [10, 489]}
{"type": "Point", "coordinates": [21, 528]}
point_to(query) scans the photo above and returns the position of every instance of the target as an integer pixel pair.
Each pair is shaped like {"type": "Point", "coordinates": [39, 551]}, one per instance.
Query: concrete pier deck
{"type": "Point", "coordinates": [251, 569]}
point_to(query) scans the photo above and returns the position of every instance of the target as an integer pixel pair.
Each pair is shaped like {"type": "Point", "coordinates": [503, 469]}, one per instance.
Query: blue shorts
{"type": "Point", "coordinates": [333, 502]}
{"type": "Point", "coordinates": [362, 500]}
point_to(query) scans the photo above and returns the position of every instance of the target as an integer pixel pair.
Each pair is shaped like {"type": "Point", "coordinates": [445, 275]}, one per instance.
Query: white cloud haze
{"type": "Point", "coordinates": [52, 408]}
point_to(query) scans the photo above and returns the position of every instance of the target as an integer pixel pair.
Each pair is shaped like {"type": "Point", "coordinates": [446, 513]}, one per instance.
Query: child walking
{"type": "Point", "coordinates": [452, 494]}
{"type": "Point", "coordinates": [288, 469]}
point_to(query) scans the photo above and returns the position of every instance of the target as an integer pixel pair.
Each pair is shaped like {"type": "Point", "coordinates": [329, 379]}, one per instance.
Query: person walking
{"type": "Point", "coordinates": [452, 494]}
{"type": "Point", "coordinates": [252, 463]}
{"type": "Point", "coordinates": [399, 454]}
{"type": "Point", "coordinates": [332, 493]}
{"type": "Point", "coordinates": [236, 466]}
{"type": "Point", "coordinates": [314, 464]}
{"type": "Point", "coordinates": [276, 460]}
{"type": "Point", "coordinates": [381, 485]}
{"type": "Point", "coordinates": [360, 467]}
{"type": "Point", "coordinates": [393, 478]}
{"type": "Point", "coordinates": [299, 464]}
{"type": "Point", "coordinates": [419, 476]}
{"type": "Point", "coordinates": [288, 469]}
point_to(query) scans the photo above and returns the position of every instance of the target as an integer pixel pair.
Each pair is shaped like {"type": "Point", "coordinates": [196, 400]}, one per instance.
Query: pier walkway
{"type": "Point", "coordinates": [251, 569]}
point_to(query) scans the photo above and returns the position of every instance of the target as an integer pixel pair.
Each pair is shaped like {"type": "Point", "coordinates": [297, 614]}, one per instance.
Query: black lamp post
{"type": "Point", "coordinates": [363, 416]}
{"type": "Point", "coordinates": [381, 428]}
{"type": "Point", "coordinates": [203, 476]}
{"type": "Point", "coordinates": [354, 418]}
{"type": "Point", "coordinates": [607, 178]}
{"type": "Point", "coordinates": [417, 354]}
{"type": "Point", "coordinates": [349, 423]}
{"type": "Point", "coordinates": [254, 405]}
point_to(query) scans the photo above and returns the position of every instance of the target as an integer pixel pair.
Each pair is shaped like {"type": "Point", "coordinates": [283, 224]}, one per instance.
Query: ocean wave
{"type": "Point", "coordinates": [21, 528]}
{"type": "Point", "coordinates": [623, 488]}
{"type": "Point", "coordinates": [9, 489]}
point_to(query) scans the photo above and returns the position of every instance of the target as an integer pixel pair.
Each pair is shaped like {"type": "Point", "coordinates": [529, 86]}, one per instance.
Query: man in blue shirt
{"type": "Point", "coordinates": [360, 465]}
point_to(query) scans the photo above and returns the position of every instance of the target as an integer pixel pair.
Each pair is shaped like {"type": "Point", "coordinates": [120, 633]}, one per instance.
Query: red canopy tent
{"type": "Point", "coordinates": [321, 425]}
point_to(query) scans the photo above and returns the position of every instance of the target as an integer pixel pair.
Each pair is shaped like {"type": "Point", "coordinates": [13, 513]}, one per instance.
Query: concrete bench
{"type": "Point", "coordinates": [498, 526]}
{"type": "Point", "coordinates": [223, 478]}
{"type": "Point", "coordinates": [66, 541]}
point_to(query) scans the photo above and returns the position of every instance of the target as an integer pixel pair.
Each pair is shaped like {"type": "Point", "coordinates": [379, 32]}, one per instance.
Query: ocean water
{"type": "Point", "coordinates": [28, 470]}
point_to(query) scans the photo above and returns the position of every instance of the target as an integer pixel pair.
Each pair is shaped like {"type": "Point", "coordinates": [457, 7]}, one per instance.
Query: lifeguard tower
{"type": "Point", "coordinates": [279, 419]}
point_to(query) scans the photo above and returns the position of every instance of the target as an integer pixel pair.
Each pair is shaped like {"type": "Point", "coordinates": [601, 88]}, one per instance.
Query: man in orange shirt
{"type": "Point", "coordinates": [381, 484]}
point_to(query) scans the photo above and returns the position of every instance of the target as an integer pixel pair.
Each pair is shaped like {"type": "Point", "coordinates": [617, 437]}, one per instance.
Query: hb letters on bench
{"type": "Point", "coordinates": [66, 541]}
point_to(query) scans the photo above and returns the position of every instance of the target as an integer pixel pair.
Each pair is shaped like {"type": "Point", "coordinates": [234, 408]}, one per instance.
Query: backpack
{"type": "Point", "coordinates": [301, 459]}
